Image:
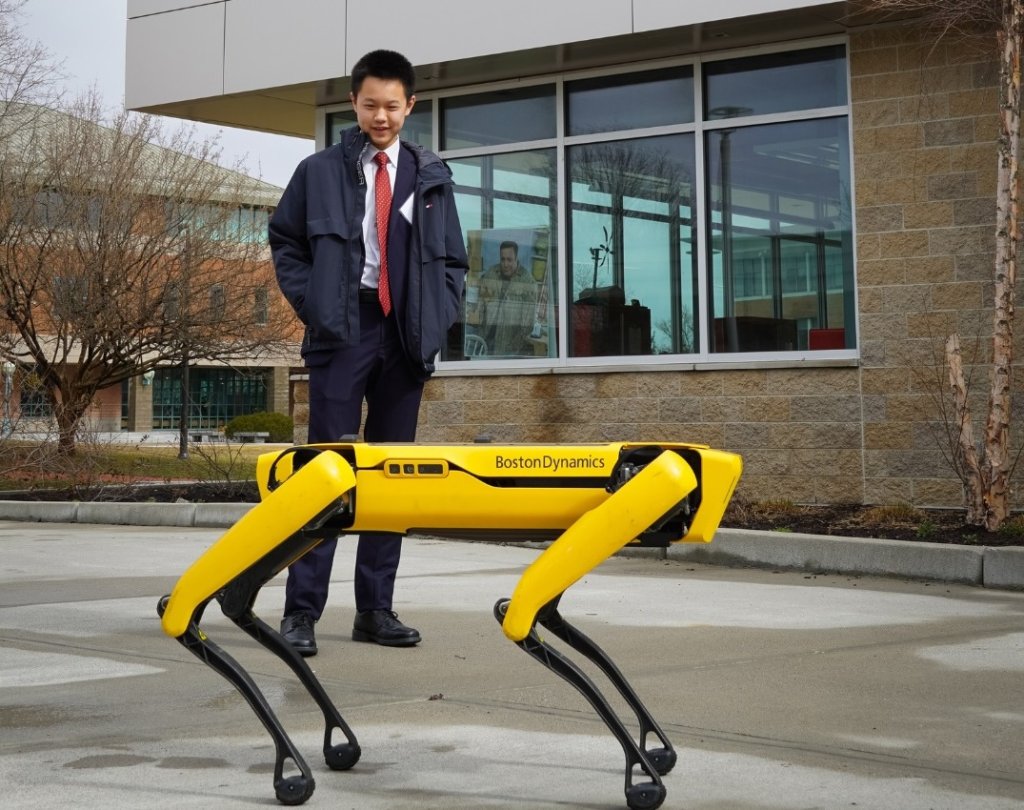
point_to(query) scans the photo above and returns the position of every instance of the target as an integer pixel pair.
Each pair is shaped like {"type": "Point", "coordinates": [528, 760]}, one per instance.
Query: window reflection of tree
{"type": "Point", "coordinates": [784, 224]}
{"type": "Point", "coordinates": [535, 164]}
{"type": "Point", "coordinates": [654, 170]}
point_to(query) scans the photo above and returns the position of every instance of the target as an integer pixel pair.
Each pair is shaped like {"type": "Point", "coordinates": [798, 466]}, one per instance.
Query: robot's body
{"type": "Point", "coordinates": [589, 499]}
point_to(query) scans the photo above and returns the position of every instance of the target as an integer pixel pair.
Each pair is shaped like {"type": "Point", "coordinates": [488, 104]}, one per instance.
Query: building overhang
{"type": "Point", "coordinates": [290, 109]}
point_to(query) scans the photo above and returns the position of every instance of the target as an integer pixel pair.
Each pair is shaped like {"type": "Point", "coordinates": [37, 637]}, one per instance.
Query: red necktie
{"type": "Point", "coordinates": [382, 192]}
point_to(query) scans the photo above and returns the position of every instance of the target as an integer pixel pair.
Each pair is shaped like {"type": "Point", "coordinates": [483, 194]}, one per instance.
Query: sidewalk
{"type": "Point", "coordinates": [778, 689]}
{"type": "Point", "coordinates": [990, 567]}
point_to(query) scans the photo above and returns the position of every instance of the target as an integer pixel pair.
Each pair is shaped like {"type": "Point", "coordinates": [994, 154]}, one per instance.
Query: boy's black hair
{"type": "Point", "coordinates": [383, 64]}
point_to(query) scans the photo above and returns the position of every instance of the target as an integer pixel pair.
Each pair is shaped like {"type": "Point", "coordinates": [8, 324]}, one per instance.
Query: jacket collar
{"type": "Point", "coordinates": [430, 169]}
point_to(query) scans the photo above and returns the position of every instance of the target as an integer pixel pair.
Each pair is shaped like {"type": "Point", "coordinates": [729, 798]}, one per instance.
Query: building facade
{"type": "Point", "coordinates": [751, 226]}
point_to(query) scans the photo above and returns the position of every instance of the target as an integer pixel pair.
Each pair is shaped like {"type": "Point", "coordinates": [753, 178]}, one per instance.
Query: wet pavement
{"type": "Point", "coordinates": [778, 689]}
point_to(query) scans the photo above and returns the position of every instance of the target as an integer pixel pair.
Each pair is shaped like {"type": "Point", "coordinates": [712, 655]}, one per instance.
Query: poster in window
{"type": "Point", "coordinates": [509, 305]}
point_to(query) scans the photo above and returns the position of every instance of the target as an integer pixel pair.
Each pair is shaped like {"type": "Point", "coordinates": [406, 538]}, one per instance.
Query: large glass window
{"type": "Point", "coordinates": [507, 209]}
{"type": "Point", "coordinates": [779, 235]}
{"type": "Point", "coordinates": [216, 396]}
{"type": "Point", "coordinates": [629, 101]}
{"type": "Point", "coordinates": [633, 267]}
{"type": "Point", "coordinates": [499, 117]}
{"type": "Point", "coordinates": [775, 83]}
{"type": "Point", "coordinates": [703, 210]}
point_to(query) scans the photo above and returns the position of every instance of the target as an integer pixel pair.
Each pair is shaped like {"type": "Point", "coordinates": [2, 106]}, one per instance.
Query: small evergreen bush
{"type": "Point", "coordinates": [278, 425]}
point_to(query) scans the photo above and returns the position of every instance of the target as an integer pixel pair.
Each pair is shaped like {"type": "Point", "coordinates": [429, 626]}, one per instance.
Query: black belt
{"type": "Point", "coordinates": [368, 295]}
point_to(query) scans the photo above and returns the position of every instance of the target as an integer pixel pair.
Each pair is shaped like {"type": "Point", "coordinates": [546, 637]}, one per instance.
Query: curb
{"type": "Point", "coordinates": [187, 515]}
{"type": "Point", "coordinates": [848, 555]}
{"type": "Point", "coordinates": [985, 566]}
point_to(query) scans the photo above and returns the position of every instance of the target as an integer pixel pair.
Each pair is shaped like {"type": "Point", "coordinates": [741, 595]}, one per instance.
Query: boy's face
{"type": "Point", "coordinates": [381, 107]}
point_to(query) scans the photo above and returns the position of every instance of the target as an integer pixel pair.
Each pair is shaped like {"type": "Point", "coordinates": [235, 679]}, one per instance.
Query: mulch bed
{"type": "Point", "coordinates": [853, 520]}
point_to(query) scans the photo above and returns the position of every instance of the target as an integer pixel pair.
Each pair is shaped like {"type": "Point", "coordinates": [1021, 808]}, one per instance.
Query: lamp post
{"type": "Point", "coordinates": [725, 180]}
{"type": "Point", "coordinates": [7, 426]}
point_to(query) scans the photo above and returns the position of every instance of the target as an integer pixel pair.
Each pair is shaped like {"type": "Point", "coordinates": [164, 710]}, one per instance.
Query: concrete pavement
{"type": "Point", "coordinates": [780, 689]}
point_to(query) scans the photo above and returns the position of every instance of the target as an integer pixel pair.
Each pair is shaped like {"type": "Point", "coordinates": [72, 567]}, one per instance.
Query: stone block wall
{"type": "Point", "coordinates": [799, 431]}
{"type": "Point", "coordinates": [925, 122]}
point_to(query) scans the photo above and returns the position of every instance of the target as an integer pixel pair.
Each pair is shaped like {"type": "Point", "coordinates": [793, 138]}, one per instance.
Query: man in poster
{"type": "Point", "coordinates": [508, 299]}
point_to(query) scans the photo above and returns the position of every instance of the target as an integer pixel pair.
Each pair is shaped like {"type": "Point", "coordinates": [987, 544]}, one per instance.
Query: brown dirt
{"type": "Point", "coordinates": [140, 492]}
{"type": "Point", "coordinates": [851, 520]}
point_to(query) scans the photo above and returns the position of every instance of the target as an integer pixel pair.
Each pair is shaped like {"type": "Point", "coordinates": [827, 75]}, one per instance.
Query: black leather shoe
{"type": "Point", "coordinates": [297, 629]}
{"type": "Point", "coordinates": [383, 627]}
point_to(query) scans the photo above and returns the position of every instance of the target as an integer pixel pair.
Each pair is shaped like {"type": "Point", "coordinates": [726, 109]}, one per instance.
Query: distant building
{"type": "Point", "coordinates": [218, 392]}
{"type": "Point", "coordinates": [748, 223]}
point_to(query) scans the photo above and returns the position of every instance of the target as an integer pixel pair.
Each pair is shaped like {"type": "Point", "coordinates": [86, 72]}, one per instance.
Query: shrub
{"type": "Point", "coordinates": [278, 425]}
{"type": "Point", "coordinates": [893, 513]}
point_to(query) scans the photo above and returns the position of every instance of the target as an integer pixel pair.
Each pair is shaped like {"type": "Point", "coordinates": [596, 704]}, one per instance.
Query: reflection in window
{"type": "Point", "coordinates": [417, 127]}
{"type": "Point", "coordinates": [775, 83]}
{"type": "Point", "coordinates": [630, 101]}
{"type": "Point", "coordinates": [507, 209]}
{"type": "Point", "coordinates": [632, 260]}
{"type": "Point", "coordinates": [498, 117]}
{"type": "Point", "coordinates": [780, 237]}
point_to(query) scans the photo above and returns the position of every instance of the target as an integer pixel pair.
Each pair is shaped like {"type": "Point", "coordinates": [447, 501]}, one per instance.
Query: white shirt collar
{"type": "Point", "coordinates": [392, 153]}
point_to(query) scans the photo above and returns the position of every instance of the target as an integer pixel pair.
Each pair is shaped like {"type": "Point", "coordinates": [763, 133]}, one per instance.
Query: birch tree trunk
{"type": "Point", "coordinates": [987, 477]}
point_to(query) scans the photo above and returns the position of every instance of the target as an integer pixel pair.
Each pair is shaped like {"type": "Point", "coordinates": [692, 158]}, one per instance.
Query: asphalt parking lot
{"type": "Point", "coordinates": [779, 689]}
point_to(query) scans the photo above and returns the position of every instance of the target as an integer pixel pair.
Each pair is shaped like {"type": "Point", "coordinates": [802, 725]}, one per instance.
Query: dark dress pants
{"type": "Point", "coordinates": [376, 370]}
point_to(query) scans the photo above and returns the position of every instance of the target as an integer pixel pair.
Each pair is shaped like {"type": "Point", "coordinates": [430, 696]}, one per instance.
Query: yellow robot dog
{"type": "Point", "coordinates": [589, 499]}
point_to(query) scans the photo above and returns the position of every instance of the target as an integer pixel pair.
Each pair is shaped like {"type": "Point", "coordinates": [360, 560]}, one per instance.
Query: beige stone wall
{"type": "Point", "coordinates": [140, 406]}
{"type": "Point", "coordinates": [799, 431]}
{"type": "Point", "coordinates": [299, 409]}
{"type": "Point", "coordinates": [925, 127]}
{"type": "Point", "coordinates": [924, 121]}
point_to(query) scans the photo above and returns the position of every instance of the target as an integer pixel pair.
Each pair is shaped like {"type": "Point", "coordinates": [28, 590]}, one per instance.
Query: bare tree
{"type": "Point", "coordinates": [986, 465]}
{"type": "Point", "coordinates": [27, 71]}
{"type": "Point", "coordinates": [123, 248]}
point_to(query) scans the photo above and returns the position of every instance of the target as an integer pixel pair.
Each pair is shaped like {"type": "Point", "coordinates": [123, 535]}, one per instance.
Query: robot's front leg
{"type": "Point", "coordinates": [639, 796]}
{"type": "Point", "coordinates": [338, 756]}
{"type": "Point", "coordinates": [641, 501]}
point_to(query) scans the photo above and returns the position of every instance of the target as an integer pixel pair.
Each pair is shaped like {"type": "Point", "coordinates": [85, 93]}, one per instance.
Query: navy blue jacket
{"type": "Point", "coordinates": [316, 237]}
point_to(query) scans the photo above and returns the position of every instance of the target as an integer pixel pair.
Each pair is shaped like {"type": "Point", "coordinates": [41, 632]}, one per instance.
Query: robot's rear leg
{"type": "Point", "coordinates": [290, 790]}
{"type": "Point", "coordinates": [664, 758]}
